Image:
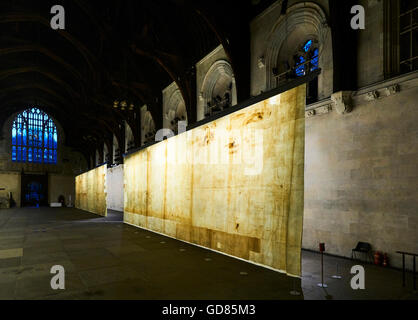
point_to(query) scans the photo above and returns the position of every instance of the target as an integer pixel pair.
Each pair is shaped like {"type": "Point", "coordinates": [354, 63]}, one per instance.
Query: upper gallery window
{"type": "Point", "coordinates": [308, 60]}
{"type": "Point", "coordinates": [408, 35]}
{"type": "Point", "coordinates": [34, 138]}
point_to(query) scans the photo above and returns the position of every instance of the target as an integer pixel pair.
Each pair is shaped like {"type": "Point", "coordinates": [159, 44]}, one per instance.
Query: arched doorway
{"type": "Point", "coordinates": [34, 190]}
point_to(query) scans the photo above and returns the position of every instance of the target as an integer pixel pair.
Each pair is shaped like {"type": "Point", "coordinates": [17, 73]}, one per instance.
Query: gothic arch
{"type": "Point", "coordinates": [148, 126]}
{"type": "Point", "coordinates": [116, 150]}
{"type": "Point", "coordinates": [176, 110]}
{"type": "Point", "coordinates": [129, 138]}
{"type": "Point", "coordinates": [218, 80]}
{"type": "Point", "coordinates": [302, 21]}
{"type": "Point", "coordinates": [105, 153]}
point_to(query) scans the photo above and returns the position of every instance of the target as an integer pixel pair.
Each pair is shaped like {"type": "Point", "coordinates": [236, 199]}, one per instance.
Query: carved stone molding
{"type": "Point", "coordinates": [319, 108]}
{"type": "Point", "coordinates": [342, 102]}
{"type": "Point", "coordinates": [393, 89]}
{"type": "Point", "coordinates": [261, 62]}
{"type": "Point", "coordinates": [372, 95]}
{"type": "Point", "coordinates": [324, 110]}
{"type": "Point", "coordinates": [310, 113]}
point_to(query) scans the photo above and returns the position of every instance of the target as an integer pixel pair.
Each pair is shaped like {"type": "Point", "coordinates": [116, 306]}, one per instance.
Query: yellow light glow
{"type": "Point", "coordinates": [234, 185]}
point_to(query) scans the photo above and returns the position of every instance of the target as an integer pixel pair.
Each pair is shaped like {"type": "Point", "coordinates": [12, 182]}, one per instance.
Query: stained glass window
{"type": "Point", "coordinates": [300, 66]}
{"type": "Point", "coordinates": [315, 60]}
{"type": "Point", "coordinates": [307, 45]}
{"type": "Point", "coordinates": [308, 61]}
{"type": "Point", "coordinates": [34, 138]}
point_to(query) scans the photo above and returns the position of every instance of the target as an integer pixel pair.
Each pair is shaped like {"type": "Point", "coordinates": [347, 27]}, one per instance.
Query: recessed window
{"type": "Point", "coordinates": [34, 138]}
{"type": "Point", "coordinates": [408, 35]}
{"type": "Point", "coordinates": [308, 60]}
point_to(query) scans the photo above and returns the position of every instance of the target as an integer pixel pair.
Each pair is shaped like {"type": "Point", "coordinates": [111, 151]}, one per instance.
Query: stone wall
{"type": "Point", "coordinates": [10, 181]}
{"type": "Point", "coordinates": [64, 185]}
{"type": "Point", "coordinates": [361, 175]}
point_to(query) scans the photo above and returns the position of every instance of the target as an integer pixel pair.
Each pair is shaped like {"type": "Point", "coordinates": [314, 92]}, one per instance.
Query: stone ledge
{"type": "Point", "coordinates": [367, 94]}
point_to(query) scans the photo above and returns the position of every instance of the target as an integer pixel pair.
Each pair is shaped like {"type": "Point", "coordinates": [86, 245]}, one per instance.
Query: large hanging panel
{"type": "Point", "coordinates": [90, 189]}
{"type": "Point", "coordinates": [235, 185]}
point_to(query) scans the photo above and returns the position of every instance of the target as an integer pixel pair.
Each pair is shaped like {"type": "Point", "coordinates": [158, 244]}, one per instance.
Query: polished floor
{"type": "Point", "coordinates": [106, 259]}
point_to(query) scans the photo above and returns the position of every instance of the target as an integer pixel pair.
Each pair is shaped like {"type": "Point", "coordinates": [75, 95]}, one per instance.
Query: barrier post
{"type": "Point", "coordinates": [294, 292]}
{"type": "Point", "coordinates": [337, 275]}
{"type": "Point", "coordinates": [322, 250]}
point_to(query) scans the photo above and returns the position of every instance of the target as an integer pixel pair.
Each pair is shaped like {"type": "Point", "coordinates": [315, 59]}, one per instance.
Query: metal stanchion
{"type": "Point", "coordinates": [294, 292]}
{"type": "Point", "coordinates": [403, 271]}
{"type": "Point", "coordinates": [415, 274]}
{"type": "Point", "coordinates": [337, 275]}
{"type": "Point", "coordinates": [322, 250]}
{"type": "Point", "coordinates": [414, 268]}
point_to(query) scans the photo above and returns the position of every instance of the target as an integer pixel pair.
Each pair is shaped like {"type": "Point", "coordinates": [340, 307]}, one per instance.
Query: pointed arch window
{"type": "Point", "coordinates": [307, 61]}
{"type": "Point", "coordinates": [34, 138]}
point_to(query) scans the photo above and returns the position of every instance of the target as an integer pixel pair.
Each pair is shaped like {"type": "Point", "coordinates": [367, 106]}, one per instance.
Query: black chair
{"type": "Point", "coordinates": [362, 248]}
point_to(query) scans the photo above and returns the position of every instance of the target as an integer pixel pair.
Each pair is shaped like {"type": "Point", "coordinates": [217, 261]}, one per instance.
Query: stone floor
{"type": "Point", "coordinates": [105, 259]}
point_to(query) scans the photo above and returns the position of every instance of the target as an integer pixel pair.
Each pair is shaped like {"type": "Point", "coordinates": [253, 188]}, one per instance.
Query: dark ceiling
{"type": "Point", "coordinates": [114, 50]}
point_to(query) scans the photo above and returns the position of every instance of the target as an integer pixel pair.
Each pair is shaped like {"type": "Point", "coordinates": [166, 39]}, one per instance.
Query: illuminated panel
{"type": "Point", "coordinates": [90, 189]}
{"type": "Point", "coordinates": [234, 185]}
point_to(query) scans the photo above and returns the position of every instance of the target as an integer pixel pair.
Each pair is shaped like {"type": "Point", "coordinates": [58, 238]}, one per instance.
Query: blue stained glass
{"type": "Point", "coordinates": [45, 139]}
{"type": "Point", "coordinates": [315, 60]}
{"type": "Point", "coordinates": [14, 136]}
{"type": "Point", "coordinates": [24, 137]}
{"type": "Point", "coordinates": [300, 67]}
{"type": "Point", "coordinates": [307, 46]}
{"type": "Point", "coordinates": [39, 135]}
{"type": "Point", "coordinates": [19, 137]}
{"type": "Point", "coordinates": [311, 56]}
{"type": "Point", "coordinates": [34, 129]}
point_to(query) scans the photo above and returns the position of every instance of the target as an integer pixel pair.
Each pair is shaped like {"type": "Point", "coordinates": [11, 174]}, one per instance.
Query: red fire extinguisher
{"type": "Point", "coordinates": [377, 258]}
{"type": "Point", "coordinates": [385, 260]}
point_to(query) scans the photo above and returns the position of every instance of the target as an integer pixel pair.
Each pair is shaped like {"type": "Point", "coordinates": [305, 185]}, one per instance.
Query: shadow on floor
{"type": "Point", "coordinates": [106, 259]}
